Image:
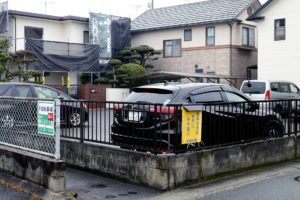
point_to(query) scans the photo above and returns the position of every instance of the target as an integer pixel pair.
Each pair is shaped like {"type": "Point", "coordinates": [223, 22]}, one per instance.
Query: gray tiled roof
{"type": "Point", "coordinates": [49, 17]}
{"type": "Point", "coordinates": [203, 12]}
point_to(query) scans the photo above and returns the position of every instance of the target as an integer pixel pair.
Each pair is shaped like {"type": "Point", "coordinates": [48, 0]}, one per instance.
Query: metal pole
{"type": "Point", "coordinates": [57, 129]}
{"type": "Point", "coordinates": [81, 121]}
{"type": "Point", "coordinates": [43, 78]}
{"type": "Point", "coordinates": [68, 83]}
{"type": "Point", "coordinates": [7, 21]}
{"type": "Point", "coordinates": [230, 51]}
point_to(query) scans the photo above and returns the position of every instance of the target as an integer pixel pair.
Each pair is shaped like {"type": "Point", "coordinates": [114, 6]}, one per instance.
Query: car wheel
{"type": "Point", "coordinates": [74, 119]}
{"type": "Point", "coordinates": [7, 121]}
{"type": "Point", "coordinates": [273, 130]}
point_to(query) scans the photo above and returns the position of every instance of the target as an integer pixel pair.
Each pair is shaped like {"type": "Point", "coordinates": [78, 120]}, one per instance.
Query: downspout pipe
{"type": "Point", "coordinates": [230, 50]}
{"type": "Point", "coordinates": [15, 31]}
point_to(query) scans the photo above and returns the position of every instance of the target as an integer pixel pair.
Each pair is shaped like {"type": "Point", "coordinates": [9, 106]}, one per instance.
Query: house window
{"type": "Point", "coordinates": [211, 80]}
{"type": "Point", "coordinates": [210, 36]}
{"type": "Point", "coordinates": [172, 48]}
{"type": "Point", "coordinates": [280, 29]}
{"type": "Point", "coordinates": [86, 37]}
{"type": "Point", "coordinates": [33, 33]}
{"type": "Point", "coordinates": [248, 37]}
{"type": "Point", "coordinates": [199, 71]}
{"type": "Point", "coordinates": [188, 35]}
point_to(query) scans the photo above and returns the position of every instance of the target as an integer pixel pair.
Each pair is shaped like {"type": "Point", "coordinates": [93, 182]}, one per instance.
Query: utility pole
{"type": "Point", "coordinates": [45, 2]}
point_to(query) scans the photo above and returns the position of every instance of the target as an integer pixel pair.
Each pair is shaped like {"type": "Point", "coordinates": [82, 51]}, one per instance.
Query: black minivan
{"type": "Point", "coordinates": [151, 115]}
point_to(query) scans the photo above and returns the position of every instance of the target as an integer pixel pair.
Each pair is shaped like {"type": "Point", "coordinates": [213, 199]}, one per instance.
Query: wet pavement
{"type": "Point", "coordinates": [7, 193]}
{"type": "Point", "coordinates": [92, 187]}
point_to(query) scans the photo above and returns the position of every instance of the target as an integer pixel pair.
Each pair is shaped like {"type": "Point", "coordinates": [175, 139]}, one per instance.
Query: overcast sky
{"type": "Point", "coordinates": [124, 8]}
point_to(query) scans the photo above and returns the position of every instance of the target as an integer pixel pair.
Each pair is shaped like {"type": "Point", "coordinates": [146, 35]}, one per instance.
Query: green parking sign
{"type": "Point", "coordinates": [46, 117]}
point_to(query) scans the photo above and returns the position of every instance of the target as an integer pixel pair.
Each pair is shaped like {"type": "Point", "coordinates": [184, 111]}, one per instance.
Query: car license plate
{"type": "Point", "coordinates": [134, 116]}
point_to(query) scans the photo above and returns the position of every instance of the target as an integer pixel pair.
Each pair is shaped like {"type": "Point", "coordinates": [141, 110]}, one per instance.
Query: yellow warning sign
{"type": "Point", "coordinates": [191, 126]}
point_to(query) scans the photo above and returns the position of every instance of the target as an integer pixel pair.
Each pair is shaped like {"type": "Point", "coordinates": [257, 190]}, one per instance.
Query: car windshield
{"type": "Point", "coordinates": [47, 93]}
{"type": "Point", "coordinates": [150, 96]}
{"type": "Point", "coordinates": [254, 87]}
{"type": "Point", "coordinates": [3, 89]}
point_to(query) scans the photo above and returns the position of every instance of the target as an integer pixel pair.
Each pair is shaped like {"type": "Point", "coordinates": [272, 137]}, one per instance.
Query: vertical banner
{"type": "Point", "coordinates": [191, 126]}
{"type": "Point", "coordinates": [100, 33]}
{"type": "Point", "coordinates": [4, 17]}
{"type": "Point", "coordinates": [111, 33]}
{"type": "Point", "coordinates": [46, 117]}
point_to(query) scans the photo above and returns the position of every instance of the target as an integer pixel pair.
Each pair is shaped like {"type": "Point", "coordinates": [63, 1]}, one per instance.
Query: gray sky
{"type": "Point", "coordinates": [125, 8]}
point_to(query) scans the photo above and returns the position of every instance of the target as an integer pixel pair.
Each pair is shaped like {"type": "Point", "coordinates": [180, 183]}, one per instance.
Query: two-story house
{"type": "Point", "coordinates": [278, 55]}
{"type": "Point", "coordinates": [68, 29]}
{"type": "Point", "coordinates": [62, 43]}
{"type": "Point", "coordinates": [210, 37]}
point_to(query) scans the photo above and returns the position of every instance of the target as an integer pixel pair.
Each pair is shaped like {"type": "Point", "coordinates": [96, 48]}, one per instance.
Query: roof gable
{"type": "Point", "coordinates": [255, 16]}
{"type": "Point", "coordinates": [203, 12]}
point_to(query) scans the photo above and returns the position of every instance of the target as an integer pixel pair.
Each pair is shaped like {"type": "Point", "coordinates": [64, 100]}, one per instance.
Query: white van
{"type": "Point", "coordinates": [270, 90]}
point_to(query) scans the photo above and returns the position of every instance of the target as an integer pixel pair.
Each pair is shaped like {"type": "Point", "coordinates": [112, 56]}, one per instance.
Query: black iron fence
{"type": "Point", "coordinates": [178, 128]}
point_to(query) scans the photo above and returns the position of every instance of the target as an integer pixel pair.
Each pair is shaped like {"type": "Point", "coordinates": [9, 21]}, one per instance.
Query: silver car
{"type": "Point", "coordinates": [261, 90]}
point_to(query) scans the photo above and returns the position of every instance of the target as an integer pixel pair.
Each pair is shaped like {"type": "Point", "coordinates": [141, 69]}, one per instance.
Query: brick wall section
{"type": "Point", "coordinates": [210, 60]}
{"type": "Point", "coordinates": [84, 93]}
{"type": "Point", "coordinates": [241, 59]}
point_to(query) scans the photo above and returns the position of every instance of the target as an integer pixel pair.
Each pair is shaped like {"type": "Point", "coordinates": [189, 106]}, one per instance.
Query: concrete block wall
{"type": "Point", "coordinates": [140, 168]}
{"type": "Point", "coordinates": [168, 171]}
{"type": "Point", "coordinates": [41, 170]}
{"type": "Point", "coordinates": [208, 163]}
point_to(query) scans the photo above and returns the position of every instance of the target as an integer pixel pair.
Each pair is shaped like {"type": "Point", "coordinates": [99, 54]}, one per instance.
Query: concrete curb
{"type": "Point", "coordinates": [30, 188]}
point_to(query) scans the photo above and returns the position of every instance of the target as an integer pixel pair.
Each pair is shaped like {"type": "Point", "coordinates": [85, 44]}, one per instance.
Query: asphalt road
{"type": "Point", "coordinates": [7, 193]}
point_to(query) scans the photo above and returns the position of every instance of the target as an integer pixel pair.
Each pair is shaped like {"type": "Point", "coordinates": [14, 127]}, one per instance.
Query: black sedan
{"type": "Point", "coordinates": [152, 115]}
{"type": "Point", "coordinates": [70, 108]}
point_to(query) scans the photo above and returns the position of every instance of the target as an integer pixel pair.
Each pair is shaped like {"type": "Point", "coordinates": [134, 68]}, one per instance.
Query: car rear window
{"type": "Point", "coordinates": [207, 97]}
{"type": "Point", "coordinates": [254, 87]}
{"type": "Point", "coordinates": [144, 95]}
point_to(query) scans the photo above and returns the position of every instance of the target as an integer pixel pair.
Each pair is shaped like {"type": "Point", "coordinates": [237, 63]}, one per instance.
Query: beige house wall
{"type": "Point", "coordinates": [155, 38]}
{"type": "Point", "coordinates": [53, 30]}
